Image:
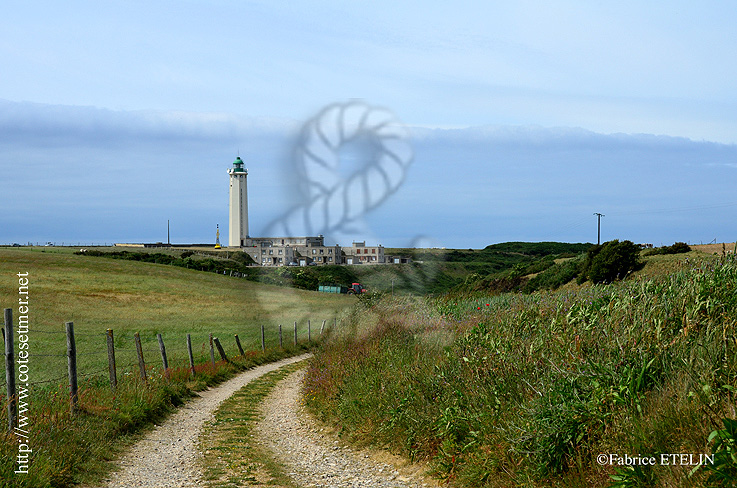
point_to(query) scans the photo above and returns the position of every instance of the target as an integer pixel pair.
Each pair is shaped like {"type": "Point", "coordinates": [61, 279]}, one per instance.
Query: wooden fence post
{"type": "Point", "coordinates": [212, 351]}
{"type": "Point", "coordinates": [220, 349]}
{"type": "Point", "coordinates": [322, 327]}
{"type": "Point", "coordinates": [263, 339]}
{"type": "Point", "coordinates": [240, 348]}
{"type": "Point", "coordinates": [162, 348]}
{"type": "Point", "coordinates": [10, 370]}
{"type": "Point", "coordinates": [139, 351]}
{"type": "Point", "coordinates": [189, 351]}
{"type": "Point", "coordinates": [295, 333]}
{"type": "Point", "coordinates": [72, 362]}
{"type": "Point", "coordinates": [111, 359]}
{"type": "Point", "coordinates": [281, 343]}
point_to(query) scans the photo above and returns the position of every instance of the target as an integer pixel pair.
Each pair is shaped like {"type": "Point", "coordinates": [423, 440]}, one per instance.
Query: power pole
{"type": "Point", "coordinates": [598, 227]}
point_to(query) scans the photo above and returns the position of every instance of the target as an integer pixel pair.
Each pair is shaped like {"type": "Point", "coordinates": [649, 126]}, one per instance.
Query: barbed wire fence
{"type": "Point", "coordinates": [124, 353]}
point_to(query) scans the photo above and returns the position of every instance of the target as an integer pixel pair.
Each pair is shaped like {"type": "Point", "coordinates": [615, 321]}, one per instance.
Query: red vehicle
{"type": "Point", "coordinates": [356, 288]}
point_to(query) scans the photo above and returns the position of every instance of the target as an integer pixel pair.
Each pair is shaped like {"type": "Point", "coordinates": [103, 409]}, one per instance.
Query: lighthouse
{"type": "Point", "coordinates": [238, 229]}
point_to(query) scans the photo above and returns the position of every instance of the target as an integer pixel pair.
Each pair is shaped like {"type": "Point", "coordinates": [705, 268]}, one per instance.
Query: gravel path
{"type": "Point", "coordinates": [167, 456]}
{"type": "Point", "coordinates": [314, 458]}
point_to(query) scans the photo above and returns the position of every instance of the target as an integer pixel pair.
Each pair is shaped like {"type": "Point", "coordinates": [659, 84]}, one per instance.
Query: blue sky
{"type": "Point", "coordinates": [525, 117]}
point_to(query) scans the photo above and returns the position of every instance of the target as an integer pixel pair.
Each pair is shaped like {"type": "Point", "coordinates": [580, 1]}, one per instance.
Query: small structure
{"type": "Point", "coordinates": [217, 238]}
{"type": "Point", "coordinates": [398, 259]}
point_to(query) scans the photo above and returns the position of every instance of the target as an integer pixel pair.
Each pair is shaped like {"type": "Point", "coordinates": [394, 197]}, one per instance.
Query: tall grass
{"type": "Point", "coordinates": [527, 390]}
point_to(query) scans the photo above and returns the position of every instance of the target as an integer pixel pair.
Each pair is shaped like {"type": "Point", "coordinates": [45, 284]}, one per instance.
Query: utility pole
{"type": "Point", "coordinates": [598, 227]}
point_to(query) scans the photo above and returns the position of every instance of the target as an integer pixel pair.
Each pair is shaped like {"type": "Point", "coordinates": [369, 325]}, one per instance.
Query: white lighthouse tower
{"type": "Point", "coordinates": [238, 229]}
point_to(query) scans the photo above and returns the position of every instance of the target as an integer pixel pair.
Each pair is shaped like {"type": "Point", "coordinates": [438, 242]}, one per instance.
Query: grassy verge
{"type": "Point", "coordinates": [528, 390]}
{"type": "Point", "coordinates": [231, 455]}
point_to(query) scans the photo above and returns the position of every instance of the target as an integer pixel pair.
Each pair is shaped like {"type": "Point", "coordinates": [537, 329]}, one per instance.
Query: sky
{"type": "Point", "coordinates": [520, 120]}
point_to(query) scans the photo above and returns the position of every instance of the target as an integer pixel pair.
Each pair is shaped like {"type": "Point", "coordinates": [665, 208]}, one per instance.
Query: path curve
{"type": "Point", "coordinates": [167, 456]}
{"type": "Point", "coordinates": [314, 458]}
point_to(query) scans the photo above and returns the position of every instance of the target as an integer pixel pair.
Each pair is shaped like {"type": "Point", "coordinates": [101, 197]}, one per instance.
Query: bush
{"type": "Point", "coordinates": [677, 248]}
{"type": "Point", "coordinates": [610, 261]}
{"type": "Point", "coordinates": [555, 276]}
{"type": "Point", "coordinates": [242, 257]}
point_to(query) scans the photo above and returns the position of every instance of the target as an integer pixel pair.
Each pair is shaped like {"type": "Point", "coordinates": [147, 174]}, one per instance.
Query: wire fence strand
{"type": "Point", "coordinates": [91, 374]}
{"type": "Point", "coordinates": [49, 381]}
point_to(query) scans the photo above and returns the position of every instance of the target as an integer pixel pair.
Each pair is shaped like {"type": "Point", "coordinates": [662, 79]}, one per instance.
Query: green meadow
{"type": "Point", "coordinates": [129, 296]}
{"type": "Point", "coordinates": [98, 293]}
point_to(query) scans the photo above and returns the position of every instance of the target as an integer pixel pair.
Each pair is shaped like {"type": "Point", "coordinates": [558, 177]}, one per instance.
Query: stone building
{"type": "Point", "coordinates": [360, 253]}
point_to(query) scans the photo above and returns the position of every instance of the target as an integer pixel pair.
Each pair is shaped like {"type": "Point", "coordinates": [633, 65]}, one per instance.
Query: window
{"type": "Point", "coordinates": [322, 251]}
{"type": "Point", "coordinates": [314, 251]}
{"type": "Point", "coordinates": [271, 251]}
{"type": "Point", "coordinates": [330, 259]}
{"type": "Point", "coordinates": [281, 251]}
{"type": "Point", "coordinates": [373, 251]}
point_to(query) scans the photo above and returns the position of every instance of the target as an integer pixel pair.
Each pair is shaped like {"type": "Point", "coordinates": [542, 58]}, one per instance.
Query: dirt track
{"type": "Point", "coordinates": [167, 456]}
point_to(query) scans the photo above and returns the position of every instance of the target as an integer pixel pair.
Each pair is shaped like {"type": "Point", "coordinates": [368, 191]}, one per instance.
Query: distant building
{"type": "Point", "coordinates": [266, 254]}
{"type": "Point", "coordinates": [398, 259]}
{"type": "Point", "coordinates": [299, 251]}
{"type": "Point", "coordinates": [360, 253]}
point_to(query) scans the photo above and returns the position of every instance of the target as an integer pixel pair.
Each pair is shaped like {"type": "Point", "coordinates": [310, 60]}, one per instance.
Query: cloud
{"type": "Point", "coordinates": [65, 125]}
{"type": "Point", "coordinates": [82, 173]}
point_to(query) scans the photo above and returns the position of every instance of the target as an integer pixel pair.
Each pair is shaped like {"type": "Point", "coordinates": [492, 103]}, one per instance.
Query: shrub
{"type": "Point", "coordinates": [610, 261]}
{"type": "Point", "coordinates": [242, 257]}
{"type": "Point", "coordinates": [677, 248]}
{"type": "Point", "coordinates": [555, 276]}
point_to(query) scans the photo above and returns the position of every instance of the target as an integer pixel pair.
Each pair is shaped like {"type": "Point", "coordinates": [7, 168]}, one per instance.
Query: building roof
{"type": "Point", "coordinates": [238, 166]}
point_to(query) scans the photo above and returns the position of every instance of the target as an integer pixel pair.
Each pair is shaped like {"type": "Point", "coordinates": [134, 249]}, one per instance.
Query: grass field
{"type": "Point", "coordinates": [127, 296]}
